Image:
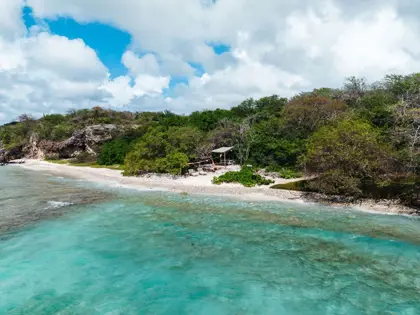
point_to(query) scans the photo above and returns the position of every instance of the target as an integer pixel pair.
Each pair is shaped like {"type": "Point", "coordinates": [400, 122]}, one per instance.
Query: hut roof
{"type": "Point", "coordinates": [222, 150]}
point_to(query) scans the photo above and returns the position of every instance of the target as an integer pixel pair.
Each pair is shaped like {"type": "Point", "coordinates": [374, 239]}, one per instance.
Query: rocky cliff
{"type": "Point", "coordinates": [88, 140]}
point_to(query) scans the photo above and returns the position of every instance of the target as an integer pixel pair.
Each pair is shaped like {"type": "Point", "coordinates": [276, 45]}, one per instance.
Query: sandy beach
{"type": "Point", "coordinates": [198, 185]}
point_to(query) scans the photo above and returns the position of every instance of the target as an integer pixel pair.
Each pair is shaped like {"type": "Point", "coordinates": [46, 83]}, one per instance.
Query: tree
{"type": "Point", "coordinates": [175, 163]}
{"type": "Point", "coordinates": [222, 135]}
{"type": "Point", "coordinates": [269, 107]}
{"type": "Point", "coordinates": [406, 115]}
{"type": "Point", "coordinates": [245, 109]}
{"type": "Point", "coordinates": [347, 156]}
{"type": "Point", "coordinates": [25, 117]}
{"type": "Point", "coordinates": [305, 114]}
{"type": "Point", "coordinates": [185, 139]}
{"type": "Point", "coordinates": [377, 107]}
{"type": "Point", "coordinates": [114, 152]}
{"type": "Point", "coordinates": [245, 136]}
{"type": "Point", "coordinates": [406, 135]}
{"type": "Point", "coordinates": [354, 89]}
{"type": "Point", "coordinates": [208, 119]}
{"type": "Point", "coordinates": [163, 151]}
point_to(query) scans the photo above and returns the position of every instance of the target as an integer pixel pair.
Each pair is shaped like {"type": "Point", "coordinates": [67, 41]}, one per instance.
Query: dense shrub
{"type": "Point", "coordinates": [114, 152]}
{"type": "Point", "coordinates": [346, 156]}
{"type": "Point", "coordinates": [246, 176]}
{"type": "Point", "coordinates": [159, 152]}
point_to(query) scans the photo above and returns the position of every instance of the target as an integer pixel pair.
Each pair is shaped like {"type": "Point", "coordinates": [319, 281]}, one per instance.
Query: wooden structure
{"type": "Point", "coordinates": [222, 151]}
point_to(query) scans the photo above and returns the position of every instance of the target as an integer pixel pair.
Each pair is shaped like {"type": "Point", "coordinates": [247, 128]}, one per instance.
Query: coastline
{"type": "Point", "coordinates": [202, 186]}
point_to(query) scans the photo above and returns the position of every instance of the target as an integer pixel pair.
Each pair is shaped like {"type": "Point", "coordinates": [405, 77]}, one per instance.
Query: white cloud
{"type": "Point", "coordinates": [43, 73]}
{"type": "Point", "coordinates": [168, 64]}
{"type": "Point", "coordinates": [375, 44]}
{"type": "Point", "coordinates": [278, 46]}
{"type": "Point", "coordinates": [136, 65]}
{"type": "Point", "coordinates": [11, 24]}
{"type": "Point", "coordinates": [122, 90]}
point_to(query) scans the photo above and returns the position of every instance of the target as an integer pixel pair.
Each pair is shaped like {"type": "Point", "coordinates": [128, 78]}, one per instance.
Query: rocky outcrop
{"type": "Point", "coordinates": [12, 154]}
{"type": "Point", "coordinates": [88, 140]}
{"type": "Point", "coordinates": [96, 135]}
{"type": "Point", "coordinates": [3, 156]}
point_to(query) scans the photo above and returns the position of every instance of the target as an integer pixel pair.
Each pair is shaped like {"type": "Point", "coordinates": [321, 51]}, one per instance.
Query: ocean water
{"type": "Point", "coordinates": [69, 247]}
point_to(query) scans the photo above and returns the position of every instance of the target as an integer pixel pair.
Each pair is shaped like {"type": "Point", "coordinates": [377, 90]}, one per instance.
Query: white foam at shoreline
{"type": "Point", "coordinates": [58, 204]}
{"type": "Point", "coordinates": [196, 185]}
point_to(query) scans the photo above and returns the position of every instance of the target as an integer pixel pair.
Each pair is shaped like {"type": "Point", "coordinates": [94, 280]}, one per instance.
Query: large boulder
{"type": "Point", "coordinates": [97, 135]}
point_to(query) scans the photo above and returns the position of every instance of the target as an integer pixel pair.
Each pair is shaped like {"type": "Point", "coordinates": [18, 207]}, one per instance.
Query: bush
{"type": "Point", "coordinates": [347, 156]}
{"type": "Point", "coordinates": [114, 152]}
{"type": "Point", "coordinates": [246, 176]}
{"type": "Point", "coordinates": [289, 173]}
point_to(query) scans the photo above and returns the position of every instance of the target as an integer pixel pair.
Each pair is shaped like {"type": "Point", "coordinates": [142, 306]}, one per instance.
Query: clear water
{"type": "Point", "coordinates": [127, 252]}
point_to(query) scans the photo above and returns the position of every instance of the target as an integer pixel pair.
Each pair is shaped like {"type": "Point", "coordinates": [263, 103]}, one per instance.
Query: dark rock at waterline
{"type": "Point", "coordinates": [12, 154]}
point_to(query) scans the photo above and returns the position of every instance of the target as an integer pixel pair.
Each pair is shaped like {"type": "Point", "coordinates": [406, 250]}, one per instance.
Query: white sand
{"type": "Point", "coordinates": [194, 185]}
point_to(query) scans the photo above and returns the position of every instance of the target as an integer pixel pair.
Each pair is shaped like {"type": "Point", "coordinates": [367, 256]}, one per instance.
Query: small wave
{"type": "Point", "coordinates": [58, 204]}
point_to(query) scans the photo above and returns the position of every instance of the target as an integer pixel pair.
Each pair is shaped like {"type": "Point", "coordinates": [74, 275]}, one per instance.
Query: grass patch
{"type": "Point", "coordinates": [95, 165]}
{"type": "Point", "coordinates": [87, 164]}
{"type": "Point", "coordinates": [62, 162]}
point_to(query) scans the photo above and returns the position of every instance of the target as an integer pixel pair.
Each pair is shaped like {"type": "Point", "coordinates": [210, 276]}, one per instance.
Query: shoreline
{"type": "Point", "coordinates": [202, 186]}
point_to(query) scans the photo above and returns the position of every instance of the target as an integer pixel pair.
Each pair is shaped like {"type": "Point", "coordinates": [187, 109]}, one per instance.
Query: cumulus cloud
{"type": "Point", "coordinates": [44, 73]}
{"type": "Point", "coordinates": [122, 90]}
{"type": "Point", "coordinates": [11, 24]}
{"type": "Point", "coordinates": [277, 46]}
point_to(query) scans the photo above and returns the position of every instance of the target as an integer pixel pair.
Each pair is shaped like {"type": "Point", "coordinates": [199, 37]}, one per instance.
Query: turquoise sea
{"type": "Point", "coordinates": [71, 247]}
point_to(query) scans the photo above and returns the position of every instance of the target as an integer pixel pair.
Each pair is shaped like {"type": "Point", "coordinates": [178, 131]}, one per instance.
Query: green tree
{"type": "Point", "coordinates": [347, 156]}
{"type": "Point", "coordinates": [114, 152]}
{"type": "Point", "coordinates": [185, 139]}
{"type": "Point", "coordinates": [160, 151]}
{"type": "Point", "coordinates": [245, 109]}
{"type": "Point", "coordinates": [209, 119]}
{"type": "Point", "coordinates": [305, 114]}
{"type": "Point", "coordinates": [176, 163]}
{"type": "Point", "coordinates": [377, 107]}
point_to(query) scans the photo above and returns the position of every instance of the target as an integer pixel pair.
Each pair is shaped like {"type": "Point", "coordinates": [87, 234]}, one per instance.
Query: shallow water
{"type": "Point", "coordinates": [126, 252]}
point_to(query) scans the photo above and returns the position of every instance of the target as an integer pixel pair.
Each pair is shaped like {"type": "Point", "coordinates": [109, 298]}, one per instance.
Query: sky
{"type": "Point", "coordinates": [187, 55]}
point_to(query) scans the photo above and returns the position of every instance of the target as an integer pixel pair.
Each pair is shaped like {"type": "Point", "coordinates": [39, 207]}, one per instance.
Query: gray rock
{"type": "Point", "coordinates": [88, 140]}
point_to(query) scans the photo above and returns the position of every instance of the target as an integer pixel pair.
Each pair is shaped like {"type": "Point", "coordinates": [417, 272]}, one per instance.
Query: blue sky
{"type": "Point", "coordinates": [110, 44]}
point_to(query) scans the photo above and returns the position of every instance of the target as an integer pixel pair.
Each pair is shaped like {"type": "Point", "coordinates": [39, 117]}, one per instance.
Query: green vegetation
{"type": "Point", "coordinates": [347, 156]}
{"type": "Point", "coordinates": [362, 140]}
{"type": "Point", "coordinates": [301, 185]}
{"type": "Point", "coordinates": [289, 173]}
{"type": "Point", "coordinates": [61, 162]}
{"type": "Point", "coordinates": [114, 152]}
{"type": "Point", "coordinates": [160, 151]}
{"type": "Point", "coordinates": [86, 164]}
{"type": "Point", "coordinates": [246, 176]}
